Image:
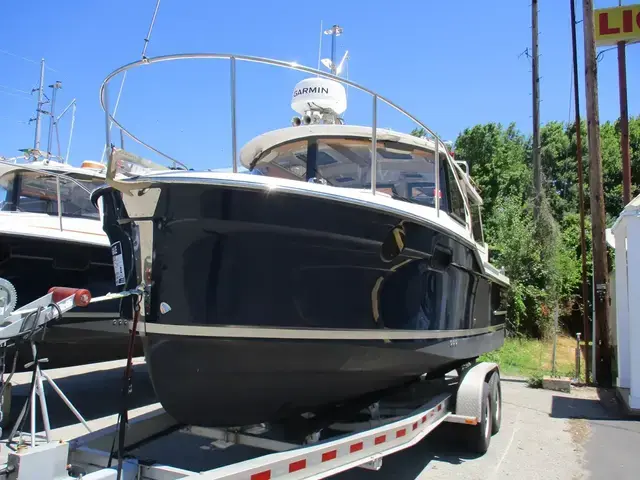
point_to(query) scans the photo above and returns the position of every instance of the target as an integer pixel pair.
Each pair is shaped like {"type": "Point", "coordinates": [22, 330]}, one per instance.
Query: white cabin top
{"type": "Point", "coordinates": [254, 151]}
{"type": "Point", "coordinates": [33, 188]}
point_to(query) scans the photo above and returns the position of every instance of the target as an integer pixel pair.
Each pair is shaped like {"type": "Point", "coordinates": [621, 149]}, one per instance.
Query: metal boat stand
{"type": "Point", "coordinates": [37, 390]}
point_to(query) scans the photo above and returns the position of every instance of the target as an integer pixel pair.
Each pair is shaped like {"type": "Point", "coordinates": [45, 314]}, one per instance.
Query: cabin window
{"type": "Point", "coordinates": [476, 224]}
{"type": "Point", "coordinates": [404, 171]}
{"type": "Point", "coordinates": [456, 200]}
{"type": "Point", "coordinates": [36, 192]}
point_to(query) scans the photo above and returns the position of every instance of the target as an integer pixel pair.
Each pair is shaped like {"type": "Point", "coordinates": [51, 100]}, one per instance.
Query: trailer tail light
{"type": "Point", "coordinates": [299, 465]}
{"type": "Point", "coordinates": [266, 475]}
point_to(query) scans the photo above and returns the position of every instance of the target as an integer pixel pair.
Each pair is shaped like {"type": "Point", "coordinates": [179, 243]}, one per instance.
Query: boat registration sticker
{"type": "Point", "coordinates": [118, 263]}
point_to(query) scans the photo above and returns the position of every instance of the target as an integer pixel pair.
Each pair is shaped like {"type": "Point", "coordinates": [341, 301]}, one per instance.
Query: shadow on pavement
{"type": "Point", "coordinates": [94, 394]}
{"type": "Point", "coordinates": [605, 407]}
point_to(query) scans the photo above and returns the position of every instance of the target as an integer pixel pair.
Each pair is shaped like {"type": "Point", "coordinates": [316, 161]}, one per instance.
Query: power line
{"type": "Point", "coordinates": [12, 120]}
{"type": "Point", "coordinates": [15, 89]}
{"type": "Point", "coordinates": [14, 95]}
{"type": "Point", "coordinates": [26, 59]}
{"type": "Point", "coordinates": [601, 53]}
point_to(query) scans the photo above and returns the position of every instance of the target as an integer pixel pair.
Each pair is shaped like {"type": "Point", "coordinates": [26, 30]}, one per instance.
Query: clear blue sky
{"type": "Point", "coordinates": [453, 64]}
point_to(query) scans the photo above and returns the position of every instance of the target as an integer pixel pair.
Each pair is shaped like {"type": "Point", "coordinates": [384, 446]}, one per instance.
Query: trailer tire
{"type": "Point", "coordinates": [480, 435]}
{"type": "Point", "coordinates": [496, 402]}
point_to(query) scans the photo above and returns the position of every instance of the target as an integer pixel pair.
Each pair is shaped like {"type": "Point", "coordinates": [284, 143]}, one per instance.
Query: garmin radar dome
{"type": "Point", "coordinates": [318, 100]}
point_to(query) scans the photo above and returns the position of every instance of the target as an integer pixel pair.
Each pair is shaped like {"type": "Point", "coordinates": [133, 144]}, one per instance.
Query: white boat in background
{"type": "Point", "coordinates": [51, 235]}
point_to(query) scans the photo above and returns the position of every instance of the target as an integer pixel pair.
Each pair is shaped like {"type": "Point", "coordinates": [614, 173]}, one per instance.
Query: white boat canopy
{"type": "Point", "coordinates": [252, 151]}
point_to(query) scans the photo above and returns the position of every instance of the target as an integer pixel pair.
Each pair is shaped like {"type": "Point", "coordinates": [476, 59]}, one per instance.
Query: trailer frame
{"type": "Point", "coordinates": [474, 400]}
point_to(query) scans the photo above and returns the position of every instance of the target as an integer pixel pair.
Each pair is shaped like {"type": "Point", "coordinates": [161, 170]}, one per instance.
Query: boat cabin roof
{"type": "Point", "coordinates": [51, 167]}
{"type": "Point", "coordinates": [256, 149]}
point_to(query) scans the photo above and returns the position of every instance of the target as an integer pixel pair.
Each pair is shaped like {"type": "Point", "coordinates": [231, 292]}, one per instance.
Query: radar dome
{"type": "Point", "coordinates": [319, 93]}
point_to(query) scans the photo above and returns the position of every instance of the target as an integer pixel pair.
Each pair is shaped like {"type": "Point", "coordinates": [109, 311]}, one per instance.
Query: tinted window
{"type": "Point", "coordinates": [476, 223]}
{"type": "Point", "coordinates": [456, 202]}
{"type": "Point", "coordinates": [36, 192]}
{"type": "Point", "coordinates": [403, 171]}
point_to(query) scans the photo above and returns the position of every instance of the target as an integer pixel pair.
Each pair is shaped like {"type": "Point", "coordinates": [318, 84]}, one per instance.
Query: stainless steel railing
{"type": "Point", "coordinates": [439, 146]}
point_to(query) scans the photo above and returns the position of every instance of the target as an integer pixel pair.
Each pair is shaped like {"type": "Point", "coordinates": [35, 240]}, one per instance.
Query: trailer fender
{"type": "Point", "coordinates": [469, 395]}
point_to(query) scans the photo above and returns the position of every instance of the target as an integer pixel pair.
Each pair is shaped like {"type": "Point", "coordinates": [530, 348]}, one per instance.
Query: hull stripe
{"type": "Point", "coordinates": [307, 333]}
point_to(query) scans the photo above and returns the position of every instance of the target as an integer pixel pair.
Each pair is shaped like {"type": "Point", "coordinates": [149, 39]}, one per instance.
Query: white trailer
{"type": "Point", "coordinates": [385, 428]}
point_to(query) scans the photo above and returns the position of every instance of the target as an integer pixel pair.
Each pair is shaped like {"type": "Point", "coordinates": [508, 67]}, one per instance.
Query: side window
{"type": "Point", "coordinates": [456, 202]}
{"type": "Point", "coordinates": [476, 223]}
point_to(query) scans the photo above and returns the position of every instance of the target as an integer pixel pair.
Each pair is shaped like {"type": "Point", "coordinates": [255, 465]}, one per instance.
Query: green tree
{"type": "Point", "coordinates": [542, 258]}
{"type": "Point", "coordinates": [560, 176]}
{"type": "Point", "coordinates": [497, 160]}
{"type": "Point", "coordinates": [419, 132]}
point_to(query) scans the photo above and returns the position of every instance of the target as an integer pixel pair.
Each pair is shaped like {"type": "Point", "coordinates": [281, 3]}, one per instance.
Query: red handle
{"type": "Point", "coordinates": [81, 296]}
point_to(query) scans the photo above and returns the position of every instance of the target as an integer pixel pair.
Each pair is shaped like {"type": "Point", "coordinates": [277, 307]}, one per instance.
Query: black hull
{"type": "Point", "coordinates": [83, 335]}
{"type": "Point", "coordinates": [252, 263]}
{"type": "Point", "coordinates": [231, 382]}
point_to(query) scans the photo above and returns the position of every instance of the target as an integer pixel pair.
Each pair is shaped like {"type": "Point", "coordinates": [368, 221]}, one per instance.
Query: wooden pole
{"type": "Point", "coordinates": [598, 226]}
{"type": "Point", "coordinates": [583, 243]}
{"type": "Point", "coordinates": [624, 124]}
{"type": "Point", "coordinates": [537, 169]}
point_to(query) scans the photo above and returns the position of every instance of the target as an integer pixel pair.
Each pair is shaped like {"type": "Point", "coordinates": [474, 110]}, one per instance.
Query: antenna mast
{"type": "Point", "coordinates": [147, 39]}
{"type": "Point", "coordinates": [334, 31]}
{"type": "Point", "coordinates": [36, 142]}
{"type": "Point", "coordinates": [320, 46]}
{"type": "Point", "coordinates": [52, 118]}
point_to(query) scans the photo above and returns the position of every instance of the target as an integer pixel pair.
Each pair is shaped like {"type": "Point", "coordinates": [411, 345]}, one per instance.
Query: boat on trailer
{"type": "Point", "coordinates": [325, 275]}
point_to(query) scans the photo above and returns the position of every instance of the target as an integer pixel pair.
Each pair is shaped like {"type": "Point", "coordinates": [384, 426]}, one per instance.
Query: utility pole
{"type": "Point", "coordinates": [52, 118]}
{"type": "Point", "coordinates": [624, 121]}
{"type": "Point", "coordinates": [583, 242]}
{"type": "Point", "coordinates": [600, 263]}
{"type": "Point", "coordinates": [537, 168]}
{"type": "Point", "coordinates": [36, 142]}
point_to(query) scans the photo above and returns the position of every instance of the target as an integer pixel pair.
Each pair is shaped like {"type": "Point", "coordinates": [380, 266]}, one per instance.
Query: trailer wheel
{"type": "Point", "coordinates": [480, 434]}
{"type": "Point", "coordinates": [496, 402]}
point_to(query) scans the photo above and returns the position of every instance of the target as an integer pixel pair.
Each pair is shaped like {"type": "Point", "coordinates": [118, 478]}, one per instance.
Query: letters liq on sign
{"type": "Point", "coordinates": [617, 24]}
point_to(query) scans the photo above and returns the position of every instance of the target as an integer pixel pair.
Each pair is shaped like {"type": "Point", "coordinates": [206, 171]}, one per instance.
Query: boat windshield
{"type": "Point", "coordinates": [36, 192]}
{"type": "Point", "coordinates": [404, 171]}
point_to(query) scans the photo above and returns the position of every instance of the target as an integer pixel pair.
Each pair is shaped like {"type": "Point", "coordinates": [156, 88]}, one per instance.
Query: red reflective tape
{"type": "Point", "coordinates": [330, 455]}
{"type": "Point", "coordinates": [401, 433]}
{"type": "Point", "coordinates": [415, 426]}
{"type": "Point", "coordinates": [424, 419]}
{"type": "Point", "coordinates": [356, 447]}
{"type": "Point", "coordinates": [380, 439]}
{"type": "Point", "coordinates": [266, 475]}
{"type": "Point", "coordinates": [299, 465]}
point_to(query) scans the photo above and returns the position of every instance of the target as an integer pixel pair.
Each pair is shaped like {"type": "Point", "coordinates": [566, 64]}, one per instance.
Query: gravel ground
{"type": "Point", "coordinates": [544, 435]}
